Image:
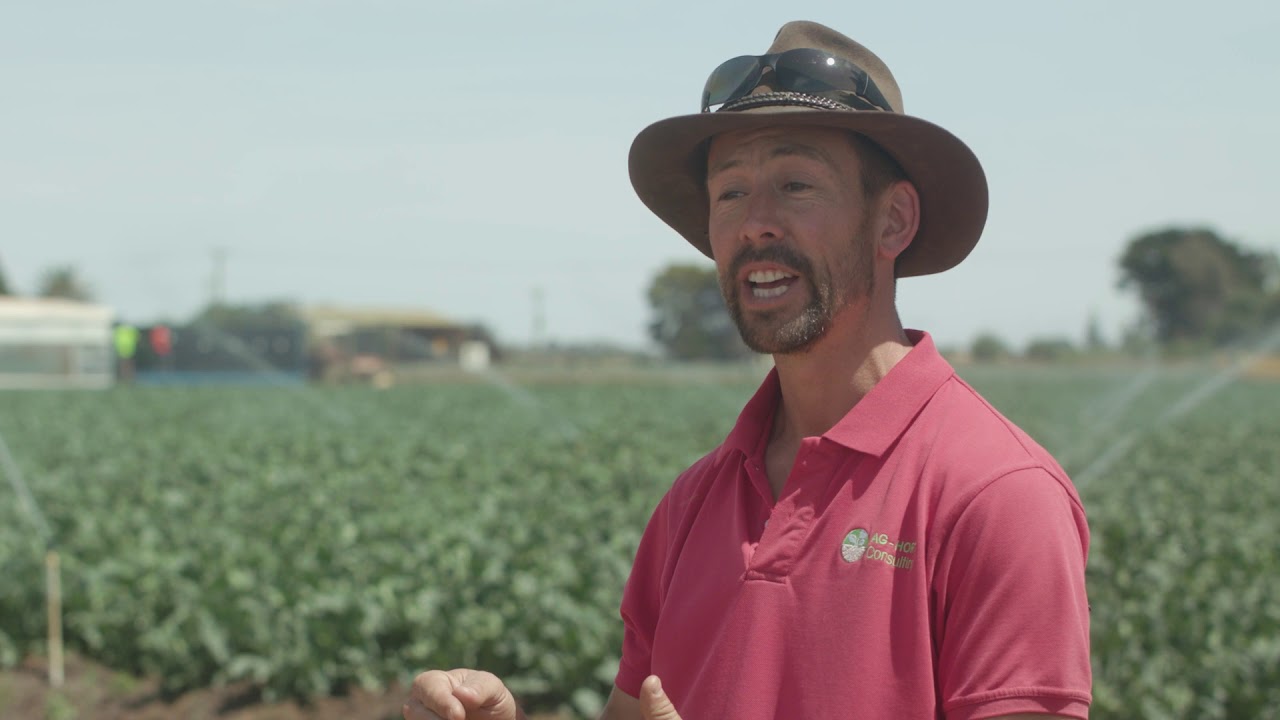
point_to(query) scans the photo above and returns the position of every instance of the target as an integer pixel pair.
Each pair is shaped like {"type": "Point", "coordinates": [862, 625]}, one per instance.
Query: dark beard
{"type": "Point", "coordinates": [769, 333]}
{"type": "Point", "coordinates": [765, 334]}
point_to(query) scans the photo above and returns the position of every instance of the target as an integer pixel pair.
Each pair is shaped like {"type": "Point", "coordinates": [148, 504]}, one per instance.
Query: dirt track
{"type": "Point", "coordinates": [93, 692]}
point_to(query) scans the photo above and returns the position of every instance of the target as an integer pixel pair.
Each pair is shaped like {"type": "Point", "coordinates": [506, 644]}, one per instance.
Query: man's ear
{"type": "Point", "coordinates": [900, 218]}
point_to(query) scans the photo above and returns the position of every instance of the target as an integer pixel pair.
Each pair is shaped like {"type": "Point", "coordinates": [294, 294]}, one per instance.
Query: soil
{"type": "Point", "coordinates": [94, 692]}
{"type": "Point", "coordinates": [1266, 367]}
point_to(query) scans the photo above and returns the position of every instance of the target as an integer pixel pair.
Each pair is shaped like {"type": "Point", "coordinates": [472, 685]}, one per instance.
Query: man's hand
{"type": "Point", "coordinates": [654, 704]}
{"type": "Point", "coordinates": [475, 695]}
{"type": "Point", "coordinates": [460, 695]}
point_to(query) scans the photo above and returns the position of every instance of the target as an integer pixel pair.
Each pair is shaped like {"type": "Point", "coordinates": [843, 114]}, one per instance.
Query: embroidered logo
{"type": "Point", "coordinates": [854, 545]}
{"type": "Point", "coordinates": [859, 544]}
{"type": "Point", "coordinates": [896, 554]}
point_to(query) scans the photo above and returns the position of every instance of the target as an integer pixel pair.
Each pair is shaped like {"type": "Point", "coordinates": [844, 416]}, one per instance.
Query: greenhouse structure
{"type": "Point", "coordinates": [50, 343]}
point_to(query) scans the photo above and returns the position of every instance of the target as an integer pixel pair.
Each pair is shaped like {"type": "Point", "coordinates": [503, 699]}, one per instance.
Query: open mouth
{"type": "Point", "coordinates": [769, 283]}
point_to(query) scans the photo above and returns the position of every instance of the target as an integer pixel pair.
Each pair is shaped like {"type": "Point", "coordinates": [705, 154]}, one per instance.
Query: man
{"type": "Point", "coordinates": [872, 540]}
{"type": "Point", "coordinates": [125, 338]}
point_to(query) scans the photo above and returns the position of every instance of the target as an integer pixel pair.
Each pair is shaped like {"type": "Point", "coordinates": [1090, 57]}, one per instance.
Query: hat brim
{"type": "Point", "coordinates": [667, 168]}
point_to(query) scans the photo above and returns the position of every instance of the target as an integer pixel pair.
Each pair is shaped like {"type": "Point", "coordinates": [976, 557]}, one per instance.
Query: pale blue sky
{"type": "Point", "coordinates": [454, 156]}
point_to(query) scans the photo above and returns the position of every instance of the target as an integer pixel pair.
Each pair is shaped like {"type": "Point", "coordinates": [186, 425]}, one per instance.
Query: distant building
{"type": "Point", "coordinates": [286, 344]}
{"type": "Point", "coordinates": [371, 342]}
{"type": "Point", "coordinates": [54, 343]}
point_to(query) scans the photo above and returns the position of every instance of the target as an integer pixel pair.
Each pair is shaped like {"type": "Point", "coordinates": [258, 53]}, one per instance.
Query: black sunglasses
{"type": "Point", "coordinates": [804, 70]}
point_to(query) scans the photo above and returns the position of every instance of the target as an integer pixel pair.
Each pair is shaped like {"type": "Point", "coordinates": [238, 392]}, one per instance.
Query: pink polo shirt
{"type": "Point", "coordinates": [925, 560]}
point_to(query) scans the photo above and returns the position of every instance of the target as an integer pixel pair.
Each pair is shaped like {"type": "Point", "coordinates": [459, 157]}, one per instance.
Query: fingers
{"type": "Point", "coordinates": [654, 703]}
{"type": "Point", "coordinates": [432, 697]}
{"type": "Point", "coordinates": [457, 695]}
{"type": "Point", "coordinates": [414, 710]}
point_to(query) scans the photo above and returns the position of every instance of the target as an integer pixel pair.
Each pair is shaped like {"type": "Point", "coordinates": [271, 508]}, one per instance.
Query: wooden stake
{"type": "Point", "coordinates": [53, 604]}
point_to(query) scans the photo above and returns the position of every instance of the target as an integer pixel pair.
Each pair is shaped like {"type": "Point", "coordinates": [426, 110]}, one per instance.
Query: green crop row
{"type": "Point", "coordinates": [309, 540]}
{"type": "Point", "coordinates": [312, 540]}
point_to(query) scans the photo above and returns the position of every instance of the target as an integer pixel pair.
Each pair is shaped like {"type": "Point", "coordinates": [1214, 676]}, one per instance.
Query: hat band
{"type": "Point", "coordinates": [759, 100]}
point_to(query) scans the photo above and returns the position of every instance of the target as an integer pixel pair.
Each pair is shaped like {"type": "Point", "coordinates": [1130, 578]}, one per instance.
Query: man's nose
{"type": "Point", "coordinates": [761, 222]}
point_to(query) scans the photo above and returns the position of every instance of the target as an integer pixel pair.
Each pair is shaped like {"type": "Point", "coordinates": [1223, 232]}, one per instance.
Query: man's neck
{"type": "Point", "coordinates": [821, 385]}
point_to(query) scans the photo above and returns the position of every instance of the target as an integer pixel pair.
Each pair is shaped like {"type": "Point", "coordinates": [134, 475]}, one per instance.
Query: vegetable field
{"type": "Point", "coordinates": [311, 540]}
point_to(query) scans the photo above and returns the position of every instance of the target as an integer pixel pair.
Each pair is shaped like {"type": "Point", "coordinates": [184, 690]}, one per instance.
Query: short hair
{"type": "Point", "coordinates": [879, 169]}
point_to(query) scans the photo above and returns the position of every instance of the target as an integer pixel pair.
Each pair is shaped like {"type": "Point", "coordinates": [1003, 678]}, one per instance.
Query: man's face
{"type": "Point", "coordinates": [790, 230]}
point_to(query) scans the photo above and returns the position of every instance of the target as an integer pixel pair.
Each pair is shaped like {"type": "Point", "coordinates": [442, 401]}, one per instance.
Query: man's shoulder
{"type": "Point", "coordinates": [969, 442]}
{"type": "Point", "coordinates": [695, 479]}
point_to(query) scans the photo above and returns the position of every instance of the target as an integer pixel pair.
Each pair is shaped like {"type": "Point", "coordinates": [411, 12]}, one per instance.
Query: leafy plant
{"type": "Point", "coordinates": [313, 540]}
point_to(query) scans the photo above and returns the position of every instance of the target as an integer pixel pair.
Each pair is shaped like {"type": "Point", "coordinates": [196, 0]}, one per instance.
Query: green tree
{"type": "Point", "coordinates": [230, 316]}
{"type": "Point", "coordinates": [1093, 338]}
{"type": "Point", "coordinates": [1198, 288]}
{"type": "Point", "coordinates": [1049, 349]}
{"type": "Point", "coordinates": [63, 281]}
{"type": "Point", "coordinates": [690, 320]}
{"type": "Point", "coordinates": [4, 284]}
{"type": "Point", "coordinates": [988, 347]}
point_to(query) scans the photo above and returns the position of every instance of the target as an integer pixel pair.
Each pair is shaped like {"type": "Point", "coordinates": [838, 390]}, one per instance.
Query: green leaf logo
{"type": "Point", "coordinates": [854, 545]}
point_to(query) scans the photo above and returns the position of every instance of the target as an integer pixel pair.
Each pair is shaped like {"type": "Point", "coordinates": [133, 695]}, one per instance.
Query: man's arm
{"type": "Point", "coordinates": [1010, 583]}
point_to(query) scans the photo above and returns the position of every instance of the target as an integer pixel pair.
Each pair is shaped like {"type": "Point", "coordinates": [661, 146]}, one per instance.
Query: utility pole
{"type": "Point", "coordinates": [218, 279]}
{"type": "Point", "coordinates": [539, 319]}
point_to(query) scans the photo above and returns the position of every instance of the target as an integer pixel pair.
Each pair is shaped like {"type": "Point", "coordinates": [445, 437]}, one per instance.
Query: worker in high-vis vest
{"type": "Point", "coordinates": [126, 342]}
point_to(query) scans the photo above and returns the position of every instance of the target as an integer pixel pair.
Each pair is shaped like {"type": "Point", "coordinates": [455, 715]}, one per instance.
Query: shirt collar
{"type": "Point", "coordinates": [755, 420]}
{"type": "Point", "coordinates": [875, 422]}
{"type": "Point", "coordinates": [882, 415]}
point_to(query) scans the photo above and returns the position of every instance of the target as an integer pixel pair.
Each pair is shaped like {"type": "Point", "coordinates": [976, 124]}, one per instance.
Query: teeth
{"type": "Point", "coordinates": [769, 292]}
{"type": "Point", "coordinates": [764, 276]}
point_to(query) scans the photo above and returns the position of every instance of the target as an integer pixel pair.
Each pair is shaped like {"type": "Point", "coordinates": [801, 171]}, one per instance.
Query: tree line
{"type": "Point", "coordinates": [61, 281]}
{"type": "Point", "coordinates": [1198, 291]}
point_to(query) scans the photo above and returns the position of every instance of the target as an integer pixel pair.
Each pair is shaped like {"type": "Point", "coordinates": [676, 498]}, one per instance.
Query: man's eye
{"type": "Point", "coordinates": [795, 186]}
{"type": "Point", "coordinates": [730, 195]}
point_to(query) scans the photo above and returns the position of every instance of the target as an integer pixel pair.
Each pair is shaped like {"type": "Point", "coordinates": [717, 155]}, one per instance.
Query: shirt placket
{"type": "Point", "coordinates": [790, 519]}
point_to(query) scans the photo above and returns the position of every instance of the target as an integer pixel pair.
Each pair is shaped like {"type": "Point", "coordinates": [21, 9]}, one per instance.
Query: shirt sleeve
{"type": "Point", "coordinates": [641, 603]}
{"type": "Point", "coordinates": [1011, 604]}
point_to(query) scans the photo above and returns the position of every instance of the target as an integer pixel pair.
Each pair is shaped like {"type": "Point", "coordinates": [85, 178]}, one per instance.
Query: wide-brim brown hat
{"type": "Point", "coordinates": [668, 158]}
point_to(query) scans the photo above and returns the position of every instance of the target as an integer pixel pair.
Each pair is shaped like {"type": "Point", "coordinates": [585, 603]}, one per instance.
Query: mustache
{"type": "Point", "coordinates": [779, 254]}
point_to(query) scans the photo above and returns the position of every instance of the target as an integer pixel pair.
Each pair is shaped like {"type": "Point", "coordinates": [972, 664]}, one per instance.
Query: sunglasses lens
{"type": "Point", "coordinates": [731, 80]}
{"type": "Point", "coordinates": [813, 71]}
{"type": "Point", "coordinates": [807, 71]}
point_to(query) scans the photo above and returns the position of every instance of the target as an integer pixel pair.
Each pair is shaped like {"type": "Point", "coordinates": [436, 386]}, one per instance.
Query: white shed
{"type": "Point", "coordinates": [55, 344]}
